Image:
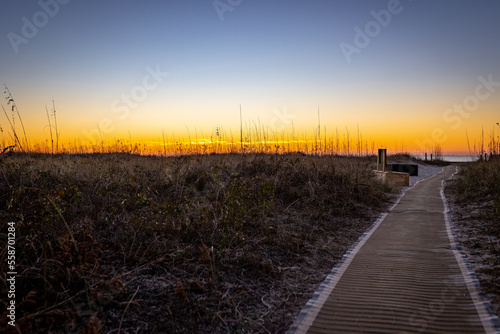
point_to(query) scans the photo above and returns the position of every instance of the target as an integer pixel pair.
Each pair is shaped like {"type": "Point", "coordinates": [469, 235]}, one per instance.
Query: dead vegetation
{"type": "Point", "coordinates": [475, 210]}
{"type": "Point", "coordinates": [120, 243]}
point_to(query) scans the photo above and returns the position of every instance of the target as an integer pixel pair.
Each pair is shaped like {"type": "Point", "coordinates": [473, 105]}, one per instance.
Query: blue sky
{"type": "Point", "coordinates": [265, 55]}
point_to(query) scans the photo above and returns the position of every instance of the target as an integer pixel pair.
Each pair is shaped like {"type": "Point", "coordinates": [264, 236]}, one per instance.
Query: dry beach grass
{"type": "Point", "coordinates": [119, 243]}
{"type": "Point", "coordinates": [475, 212]}
{"type": "Point", "coordinates": [210, 243]}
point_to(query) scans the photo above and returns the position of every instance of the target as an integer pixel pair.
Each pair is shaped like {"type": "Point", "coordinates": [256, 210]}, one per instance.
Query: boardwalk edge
{"type": "Point", "coordinates": [490, 321]}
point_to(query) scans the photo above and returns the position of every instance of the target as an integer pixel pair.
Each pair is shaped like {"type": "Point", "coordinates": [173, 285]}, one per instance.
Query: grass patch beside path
{"type": "Point", "coordinates": [216, 244]}
{"type": "Point", "coordinates": [475, 210]}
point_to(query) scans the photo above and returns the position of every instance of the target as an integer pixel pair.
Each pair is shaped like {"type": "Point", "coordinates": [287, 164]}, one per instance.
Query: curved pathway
{"type": "Point", "coordinates": [404, 276]}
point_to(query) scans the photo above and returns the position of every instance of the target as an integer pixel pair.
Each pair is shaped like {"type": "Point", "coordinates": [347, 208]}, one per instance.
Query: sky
{"type": "Point", "coordinates": [410, 73]}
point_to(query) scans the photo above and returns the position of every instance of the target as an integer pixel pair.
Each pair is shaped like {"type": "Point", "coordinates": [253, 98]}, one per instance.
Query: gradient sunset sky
{"type": "Point", "coordinates": [412, 73]}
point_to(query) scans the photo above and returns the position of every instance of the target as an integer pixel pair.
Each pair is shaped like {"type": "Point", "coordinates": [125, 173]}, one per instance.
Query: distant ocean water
{"type": "Point", "coordinates": [453, 158]}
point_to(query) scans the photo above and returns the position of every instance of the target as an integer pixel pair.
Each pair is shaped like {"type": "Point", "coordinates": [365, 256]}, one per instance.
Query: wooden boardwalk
{"type": "Point", "coordinates": [404, 276]}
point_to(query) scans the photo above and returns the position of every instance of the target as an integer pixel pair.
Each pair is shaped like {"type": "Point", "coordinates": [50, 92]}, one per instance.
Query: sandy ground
{"type": "Point", "coordinates": [424, 172]}
{"type": "Point", "coordinates": [480, 249]}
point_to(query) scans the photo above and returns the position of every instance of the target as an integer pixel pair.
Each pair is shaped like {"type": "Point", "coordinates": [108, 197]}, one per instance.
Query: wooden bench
{"type": "Point", "coordinates": [403, 168]}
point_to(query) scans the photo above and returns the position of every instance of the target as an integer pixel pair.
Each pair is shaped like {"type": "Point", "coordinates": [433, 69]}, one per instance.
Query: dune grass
{"type": "Point", "coordinates": [479, 183]}
{"type": "Point", "coordinates": [210, 243]}
{"type": "Point", "coordinates": [475, 209]}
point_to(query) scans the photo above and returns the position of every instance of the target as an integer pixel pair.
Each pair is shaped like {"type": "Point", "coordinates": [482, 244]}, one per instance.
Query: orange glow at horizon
{"type": "Point", "coordinates": [419, 129]}
{"type": "Point", "coordinates": [341, 141]}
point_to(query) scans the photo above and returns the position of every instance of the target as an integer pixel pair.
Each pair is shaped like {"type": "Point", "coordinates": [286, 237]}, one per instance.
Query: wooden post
{"type": "Point", "coordinates": [381, 159]}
